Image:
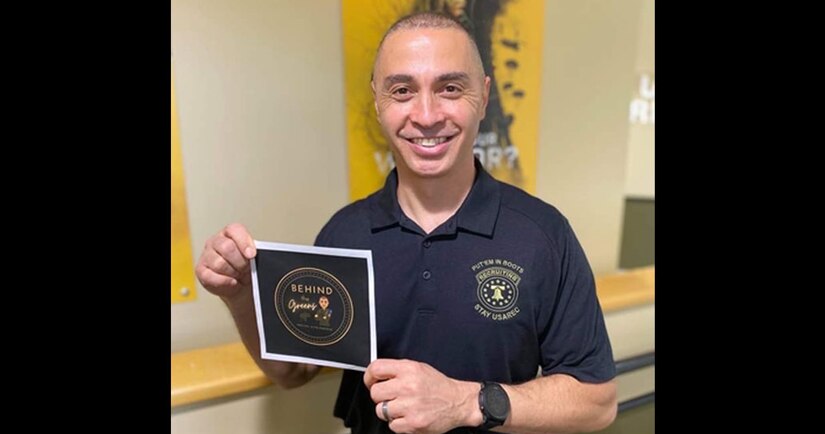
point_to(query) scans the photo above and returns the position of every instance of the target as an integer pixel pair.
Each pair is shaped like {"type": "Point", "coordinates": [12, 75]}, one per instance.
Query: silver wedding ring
{"type": "Point", "coordinates": [386, 411]}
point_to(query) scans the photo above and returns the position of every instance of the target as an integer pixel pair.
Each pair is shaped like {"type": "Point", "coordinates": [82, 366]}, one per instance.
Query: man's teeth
{"type": "Point", "coordinates": [429, 142]}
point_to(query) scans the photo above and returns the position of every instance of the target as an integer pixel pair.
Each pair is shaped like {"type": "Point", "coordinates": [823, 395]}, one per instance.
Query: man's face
{"type": "Point", "coordinates": [430, 96]}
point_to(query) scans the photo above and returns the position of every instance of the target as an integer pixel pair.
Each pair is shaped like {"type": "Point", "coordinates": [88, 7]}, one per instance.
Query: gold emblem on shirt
{"type": "Point", "coordinates": [497, 292]}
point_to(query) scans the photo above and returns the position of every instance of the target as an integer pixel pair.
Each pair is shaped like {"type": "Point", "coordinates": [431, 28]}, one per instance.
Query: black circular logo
{"type": "Point", "coordinates": [314, 306]}
{"type": "Point", "coordinates": [497, 293]}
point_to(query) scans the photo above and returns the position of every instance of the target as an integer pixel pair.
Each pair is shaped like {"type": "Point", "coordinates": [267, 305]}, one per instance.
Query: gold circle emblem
{"type": "Point", "coordinates": [314, 306]}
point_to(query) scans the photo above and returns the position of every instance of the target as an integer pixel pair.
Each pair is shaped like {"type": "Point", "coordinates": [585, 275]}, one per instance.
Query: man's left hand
{"type": "Point", "coordinates": [420, 399]}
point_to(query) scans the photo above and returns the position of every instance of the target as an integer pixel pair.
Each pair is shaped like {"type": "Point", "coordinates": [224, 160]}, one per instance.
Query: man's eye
{"type": "Point", "coordinates": [450, 88]}
{"type": "Point", "coordinates": [402, 91]}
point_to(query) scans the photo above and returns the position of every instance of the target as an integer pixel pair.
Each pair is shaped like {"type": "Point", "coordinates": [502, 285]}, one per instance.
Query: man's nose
{"type": "Point", "coordinates": [426, 111]}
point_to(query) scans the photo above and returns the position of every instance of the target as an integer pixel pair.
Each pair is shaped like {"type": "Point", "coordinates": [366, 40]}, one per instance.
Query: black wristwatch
{"type": "Point", "coordinates": [494, 405]}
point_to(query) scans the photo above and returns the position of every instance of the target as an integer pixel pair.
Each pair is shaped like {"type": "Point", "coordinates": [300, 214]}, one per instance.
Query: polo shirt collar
{"type": "Point", "coordinates": [477, 214]}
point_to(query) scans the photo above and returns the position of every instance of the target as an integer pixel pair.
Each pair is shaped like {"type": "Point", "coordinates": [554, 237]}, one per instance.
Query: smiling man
{"type": "Point", "coordinates": [430, 96]}
{"type": "Point", "coordinates": [478, 285]}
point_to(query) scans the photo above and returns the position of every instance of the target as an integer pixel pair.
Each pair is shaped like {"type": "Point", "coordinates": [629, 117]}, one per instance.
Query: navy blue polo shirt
{"type": "Point", "coordinates": [499, 290]}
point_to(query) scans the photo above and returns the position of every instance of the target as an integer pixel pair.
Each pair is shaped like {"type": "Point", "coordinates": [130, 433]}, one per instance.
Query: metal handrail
{"type": "Point", "coordinates": [635, 362]}
{"type": "Point", "coordinates": [632, 364]}
{"type": "Point", "coordinates": [637, 401]}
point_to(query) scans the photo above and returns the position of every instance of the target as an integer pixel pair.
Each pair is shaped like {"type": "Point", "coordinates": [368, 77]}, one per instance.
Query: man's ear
{"type": "Point", "coordinates": [375, 101]}
{"type": "Point", "coordinates": [486, 97]}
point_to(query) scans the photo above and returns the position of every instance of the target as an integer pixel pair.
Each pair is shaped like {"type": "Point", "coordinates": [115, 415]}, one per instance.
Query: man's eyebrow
{"type": "Point", "coordinates": [454, 76]}
{"type": "Point", "coordinates": [406, 78]}
{"type": "Point", "coordinates": [397, 78]}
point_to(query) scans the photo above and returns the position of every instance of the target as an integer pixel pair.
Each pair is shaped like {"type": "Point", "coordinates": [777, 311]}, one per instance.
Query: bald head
{"type": "Point", "coordinates": [430, 20]}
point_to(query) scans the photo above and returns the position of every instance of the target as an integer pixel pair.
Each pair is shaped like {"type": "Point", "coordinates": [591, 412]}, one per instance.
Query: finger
{"type": "Point", "coordinates": [393, 410]}
{"type": "Point", "coordinates": [384, 369]}
{"type": "Point", "coordinates": [400, 425]}
{"type": "Point", "coordinates": [384, 390]}
{"type": "Point", "coordinates": [227, 248]}
{"type": "Point", "coordinates": [379, 410]}
{"type": "Point", "coordinates": [397, 412]}
{"type": "Point", "coordinates": [215, 262]}
{"type": "Point", "coordinates": [238, 233]}
{"type": "Point", "coordinates": [218, 284]}
{"type": "Point", "coordinates": [378, 370]}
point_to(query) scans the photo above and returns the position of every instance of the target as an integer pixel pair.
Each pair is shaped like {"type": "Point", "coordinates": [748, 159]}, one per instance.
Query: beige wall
{"type": "Point", "coordinates": [588, 69]}
{"type": "Point", "coordinates": [261, 104]}
{"type": "Point", "coordinates": [305, 410]}
{"type": "Point", "coordinates": [262, 119]}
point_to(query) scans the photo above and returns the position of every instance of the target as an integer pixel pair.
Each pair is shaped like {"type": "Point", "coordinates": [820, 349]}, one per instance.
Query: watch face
{"type": "Point", "coordinates": [496, 401]}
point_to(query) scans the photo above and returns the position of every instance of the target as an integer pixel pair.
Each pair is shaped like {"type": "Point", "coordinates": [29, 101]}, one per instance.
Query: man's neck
{"type": "Point", "coordinates": [429, 202]}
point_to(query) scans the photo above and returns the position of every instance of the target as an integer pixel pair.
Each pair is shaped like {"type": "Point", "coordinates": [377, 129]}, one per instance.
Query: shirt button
{"type": "Point", "coordinates": [427, 243]}
{"type": "Point", "coordinates": [426, 274]}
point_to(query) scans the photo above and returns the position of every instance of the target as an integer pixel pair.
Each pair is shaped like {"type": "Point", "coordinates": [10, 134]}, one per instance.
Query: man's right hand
{"type": "Point", "coordinates": [223, 268]}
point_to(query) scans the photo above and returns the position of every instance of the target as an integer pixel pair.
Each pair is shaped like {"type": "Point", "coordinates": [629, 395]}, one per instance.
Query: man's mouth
{"type": "Point", "coordinates": [430, 142]}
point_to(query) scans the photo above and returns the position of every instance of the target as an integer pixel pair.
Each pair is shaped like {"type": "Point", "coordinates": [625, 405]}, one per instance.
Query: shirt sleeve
{"type": "Point", "coordinates": [573, 337]}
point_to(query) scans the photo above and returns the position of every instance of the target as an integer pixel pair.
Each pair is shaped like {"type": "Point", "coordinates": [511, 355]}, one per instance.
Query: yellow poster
{"type": "Point", "coordinates": [183, 279]}
{"type": "Point", "coordinates": [509, 35]}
